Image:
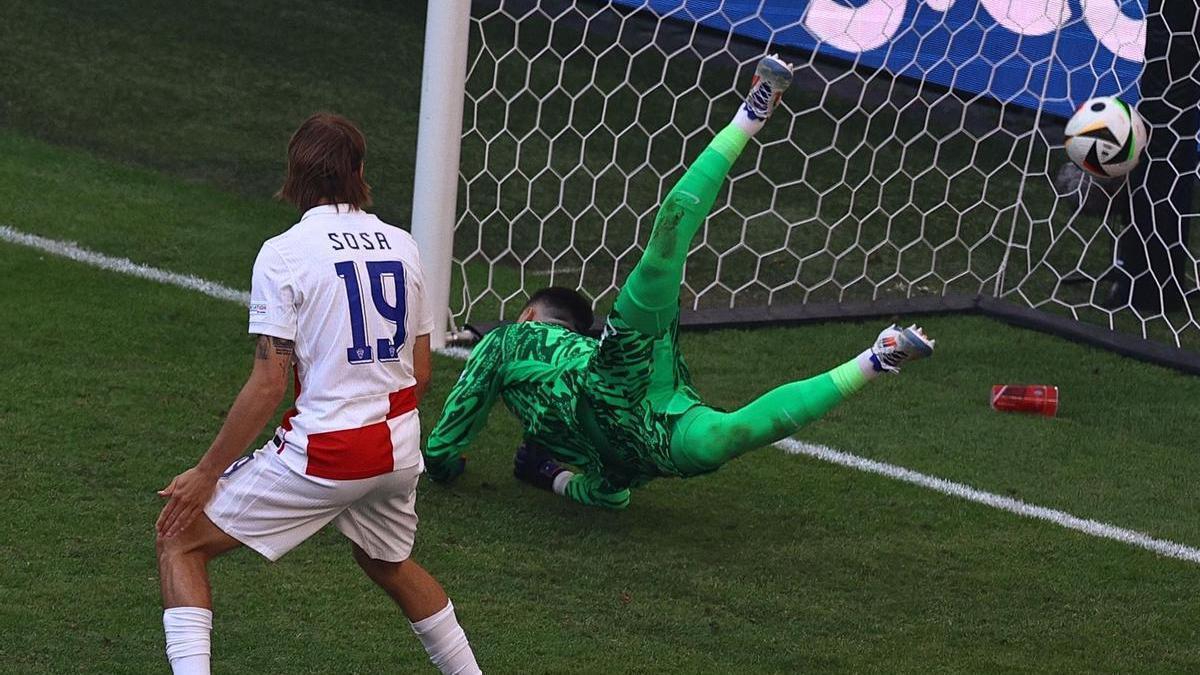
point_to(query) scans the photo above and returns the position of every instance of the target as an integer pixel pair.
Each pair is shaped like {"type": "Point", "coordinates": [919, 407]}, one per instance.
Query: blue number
{"type": "Point", "coordinates": [361, 351]}
{"type": "Point", "coordinates": [388, 348]}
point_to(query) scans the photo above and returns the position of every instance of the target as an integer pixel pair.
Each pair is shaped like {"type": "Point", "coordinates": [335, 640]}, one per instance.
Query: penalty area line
{"type": "Point", "coordinates": [790, 446]}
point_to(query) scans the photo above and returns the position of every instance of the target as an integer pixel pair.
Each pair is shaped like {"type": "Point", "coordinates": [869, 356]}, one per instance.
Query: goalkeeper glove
{"type": "Point", "coordinates": [445, 471]}
{"type": "Point", "coordinates": [534, 465]}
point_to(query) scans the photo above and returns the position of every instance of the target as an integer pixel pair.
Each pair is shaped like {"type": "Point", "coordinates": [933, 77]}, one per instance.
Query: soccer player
{"type": "Point", "coordinates": [622, 410]}
{"type": "Point", "coordinates": [339, 301]}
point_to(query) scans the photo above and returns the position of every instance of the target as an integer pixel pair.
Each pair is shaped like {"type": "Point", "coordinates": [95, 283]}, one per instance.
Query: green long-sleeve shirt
{"type": "Point", "coordinates": [540, 371]}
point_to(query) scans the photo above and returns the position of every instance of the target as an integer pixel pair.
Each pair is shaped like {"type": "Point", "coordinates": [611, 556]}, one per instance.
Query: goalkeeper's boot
{"type": "Point", "coordinates": [772, 77]}
{"type": "Point", "coordinates": [533, 464]}
{"type": "Point", "coordinates": [897, 346]}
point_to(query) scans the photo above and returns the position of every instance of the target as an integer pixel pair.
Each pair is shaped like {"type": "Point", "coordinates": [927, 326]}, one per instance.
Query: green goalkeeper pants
{"type": "Point", "coordinates": [649, 300]}
{"type": "Point", "coordinates": [703, 438]}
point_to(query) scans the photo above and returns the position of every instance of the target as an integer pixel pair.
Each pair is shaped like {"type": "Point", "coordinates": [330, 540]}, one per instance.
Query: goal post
{"type": "Point", "coordinates": [439, 140]}
{"type": "Point", "coordinates": [915, 165]}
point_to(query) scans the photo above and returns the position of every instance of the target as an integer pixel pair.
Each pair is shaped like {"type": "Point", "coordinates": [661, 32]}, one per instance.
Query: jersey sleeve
{"type": "Point", "coordinates": [467, 406]}
{"type": "Point", "coordinates": [272, 296]}
{"type": "Point", "coordinates": [590, 489]}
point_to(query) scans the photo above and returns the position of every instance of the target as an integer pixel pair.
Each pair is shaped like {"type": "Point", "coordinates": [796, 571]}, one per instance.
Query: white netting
{"type": "Point", "coordinates": [579, 117]}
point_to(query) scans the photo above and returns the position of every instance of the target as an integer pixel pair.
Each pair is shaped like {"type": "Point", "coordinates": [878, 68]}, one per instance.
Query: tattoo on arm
{"type": "Point", "coordinates": [262, 348]}
{"type": "Point", "coordinates": [283, 347]}
{"type": "Point", "coordinates": [267, 343]}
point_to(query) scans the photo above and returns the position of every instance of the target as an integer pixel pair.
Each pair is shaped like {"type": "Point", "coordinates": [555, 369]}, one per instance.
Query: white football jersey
{"type": "Point", "coordinates": [349, 290]}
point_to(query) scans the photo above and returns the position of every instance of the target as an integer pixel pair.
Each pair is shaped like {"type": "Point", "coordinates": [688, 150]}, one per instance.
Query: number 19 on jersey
{"type": "Point", "coordinates": [386, 348]}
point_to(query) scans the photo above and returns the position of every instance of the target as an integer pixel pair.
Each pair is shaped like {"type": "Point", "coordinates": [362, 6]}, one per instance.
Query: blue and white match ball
{"type": "Point", "coordinates": [1105, 137]}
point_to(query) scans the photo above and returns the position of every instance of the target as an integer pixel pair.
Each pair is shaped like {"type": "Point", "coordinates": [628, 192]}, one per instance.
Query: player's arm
{"type": "Point", "coordinates": [422, 310]}
{"type": "Point", "coordinates": [189, 492]}
{"type": "Point", "coordinates": [273, 306]}
{"type": "Point", "coordinates": [422, 365]}
{"type": "Point", "coordinates": [466, 409]}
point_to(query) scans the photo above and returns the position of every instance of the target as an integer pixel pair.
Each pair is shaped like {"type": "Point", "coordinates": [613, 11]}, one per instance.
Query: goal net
{"type": "Point", "coordinates": [915, 162]}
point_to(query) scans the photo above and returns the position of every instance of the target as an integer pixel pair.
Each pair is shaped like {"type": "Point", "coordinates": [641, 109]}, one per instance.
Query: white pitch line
{"type": "Point", "coordinates": [791, 446]}
{"type": "Point", "coordinates": [70, 250]}
{"type": "Point", "coordinates": [1060, 518]}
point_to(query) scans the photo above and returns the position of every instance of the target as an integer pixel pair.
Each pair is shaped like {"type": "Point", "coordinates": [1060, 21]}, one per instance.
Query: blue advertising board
{"type": "Point", "coordinates": [1052, 54]}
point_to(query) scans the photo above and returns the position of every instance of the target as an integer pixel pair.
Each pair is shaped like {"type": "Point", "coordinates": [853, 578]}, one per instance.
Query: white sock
{"type": "Point", "coordinates": [742, 120]}
{"type": "Point", "coordinates": [867, 366]}
{"type": "Point", "coordinates": [446, 643]}
{"type": "Point", "coordinates": [188, 632]}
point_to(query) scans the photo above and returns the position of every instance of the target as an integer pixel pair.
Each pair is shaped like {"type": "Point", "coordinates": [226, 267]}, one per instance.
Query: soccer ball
{"type": "Point", "coordinates": [1105, 137]}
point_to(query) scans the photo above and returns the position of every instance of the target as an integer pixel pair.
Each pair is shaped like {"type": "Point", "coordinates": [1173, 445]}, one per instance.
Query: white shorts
{"type": "Point", "coordinates": [269, 507]}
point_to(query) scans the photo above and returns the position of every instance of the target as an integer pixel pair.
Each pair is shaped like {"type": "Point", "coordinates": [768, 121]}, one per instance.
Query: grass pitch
{"type": "Point", "coordinates": [773, 564]}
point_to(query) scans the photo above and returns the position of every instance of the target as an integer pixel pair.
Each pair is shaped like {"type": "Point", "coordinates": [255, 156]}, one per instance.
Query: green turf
{"type": "Point", "coordinates": [158, 136]}
{"type": "Point", "coordinates": [774, 564]}
{"type": "Point", "coordinates": [211, 90]}
{"type": "Point", "coordinates": [835, 569]}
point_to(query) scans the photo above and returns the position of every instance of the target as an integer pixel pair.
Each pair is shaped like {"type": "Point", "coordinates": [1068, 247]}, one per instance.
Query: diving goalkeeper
{"type": "Point", "coordinates": [621, 410]}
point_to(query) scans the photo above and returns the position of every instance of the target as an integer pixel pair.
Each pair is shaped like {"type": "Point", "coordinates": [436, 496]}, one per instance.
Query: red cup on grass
{"type": "Point", "coordinates": [1040, 399]}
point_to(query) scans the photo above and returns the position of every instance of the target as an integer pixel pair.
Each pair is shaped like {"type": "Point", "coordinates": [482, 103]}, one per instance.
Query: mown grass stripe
{"type": "Point", "coordinates": [791, 446]}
